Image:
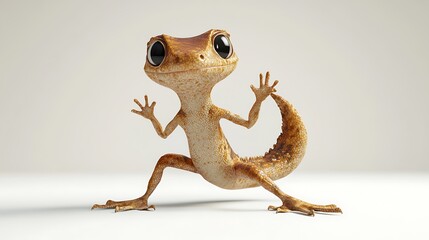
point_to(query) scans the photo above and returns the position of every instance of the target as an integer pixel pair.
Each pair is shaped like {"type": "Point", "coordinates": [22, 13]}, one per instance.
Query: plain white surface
{"type": "Point", "coordinates": [375, 205]}
{"type": "Point", "coordinates": [356, 71]}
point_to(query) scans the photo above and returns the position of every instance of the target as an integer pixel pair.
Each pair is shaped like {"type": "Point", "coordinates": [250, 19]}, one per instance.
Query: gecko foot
{"type": "Point", "coordinates": [120, 206]}
{"type": "Point", "coordinates": [305, 208]}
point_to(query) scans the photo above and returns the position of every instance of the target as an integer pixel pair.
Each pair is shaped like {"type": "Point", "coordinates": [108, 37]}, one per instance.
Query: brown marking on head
{"type": "Point", "coordinates": [190, 62]}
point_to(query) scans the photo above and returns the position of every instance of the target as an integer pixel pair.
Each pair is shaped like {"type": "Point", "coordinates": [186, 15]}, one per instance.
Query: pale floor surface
{"type": "Point", "coordinates": [375, 205]}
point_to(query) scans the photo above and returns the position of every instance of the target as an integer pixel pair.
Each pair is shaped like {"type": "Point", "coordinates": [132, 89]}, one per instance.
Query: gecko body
{"type": "Point", "coordinates": [191, 67]}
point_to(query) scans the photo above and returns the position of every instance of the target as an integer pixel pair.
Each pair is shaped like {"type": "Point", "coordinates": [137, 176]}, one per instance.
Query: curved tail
{"type": "Point", "coordinates": [288, 151]}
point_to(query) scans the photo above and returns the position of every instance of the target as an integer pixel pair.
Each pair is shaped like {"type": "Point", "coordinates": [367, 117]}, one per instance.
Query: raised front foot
{"type": "Point", "coordinates": [304, 207]}
{"type": "Point", "coordinates": [119, 206]}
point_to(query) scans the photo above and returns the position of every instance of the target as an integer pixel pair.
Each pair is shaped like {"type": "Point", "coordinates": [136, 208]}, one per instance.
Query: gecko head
{"type": "Point", "coordinates": [190, 64]}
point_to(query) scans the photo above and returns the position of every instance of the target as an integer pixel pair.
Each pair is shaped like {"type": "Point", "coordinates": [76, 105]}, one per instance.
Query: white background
{"type": "Point", "coordinates": [376, 206]}
{"type": "Point", "coordinates": [357, 71]}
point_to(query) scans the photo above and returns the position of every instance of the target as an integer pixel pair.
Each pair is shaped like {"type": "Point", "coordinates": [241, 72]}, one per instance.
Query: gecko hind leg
{"type": "Point", "coordinates": [168, 160]}
{"type": "Point", "coordinates": [289, 203]}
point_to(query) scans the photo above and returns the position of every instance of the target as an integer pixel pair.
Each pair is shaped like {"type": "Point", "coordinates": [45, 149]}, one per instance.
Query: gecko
{"type": "Point", "coordinates": [191, 67]}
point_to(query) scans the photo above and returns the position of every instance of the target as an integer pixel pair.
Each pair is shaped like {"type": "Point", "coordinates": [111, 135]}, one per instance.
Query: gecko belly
{"type": "Point", "coordinates": [212, 155]}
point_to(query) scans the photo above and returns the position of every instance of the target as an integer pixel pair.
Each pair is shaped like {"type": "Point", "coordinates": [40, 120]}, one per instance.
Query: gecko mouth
{"type": "Point", "coordinates": [192, 69]}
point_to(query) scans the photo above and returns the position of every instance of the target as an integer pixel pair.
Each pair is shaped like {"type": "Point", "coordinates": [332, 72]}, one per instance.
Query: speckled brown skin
{"type": "Point", "coordinates": [192, 68]}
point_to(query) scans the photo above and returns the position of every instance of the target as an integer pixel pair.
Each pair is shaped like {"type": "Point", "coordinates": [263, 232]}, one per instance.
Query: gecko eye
{"type": "Point", "coordinates": [222, 45]}
{"type": "Point", "coordinates": [156, 53]}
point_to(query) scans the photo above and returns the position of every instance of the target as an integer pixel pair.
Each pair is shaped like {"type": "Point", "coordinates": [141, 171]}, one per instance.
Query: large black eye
{"type": "Point", "coordinates": [156, 53]}
{"type": "Point", "coordinates": [222, 45]}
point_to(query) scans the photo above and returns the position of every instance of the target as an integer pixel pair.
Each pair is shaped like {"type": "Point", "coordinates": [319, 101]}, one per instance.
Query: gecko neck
{"type": "Point", "coordinates": [195, 102]}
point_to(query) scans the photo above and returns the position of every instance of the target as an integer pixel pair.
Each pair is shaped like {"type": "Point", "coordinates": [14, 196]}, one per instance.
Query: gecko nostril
{"type": "Point", "coordinates": [201, 56]}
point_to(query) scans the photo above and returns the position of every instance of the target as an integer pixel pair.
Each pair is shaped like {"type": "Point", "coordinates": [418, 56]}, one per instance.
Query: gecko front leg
{"type": "Point", "coordinates": [261, 94]}
{"type": "Point", "coordinates": [147, 112]}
